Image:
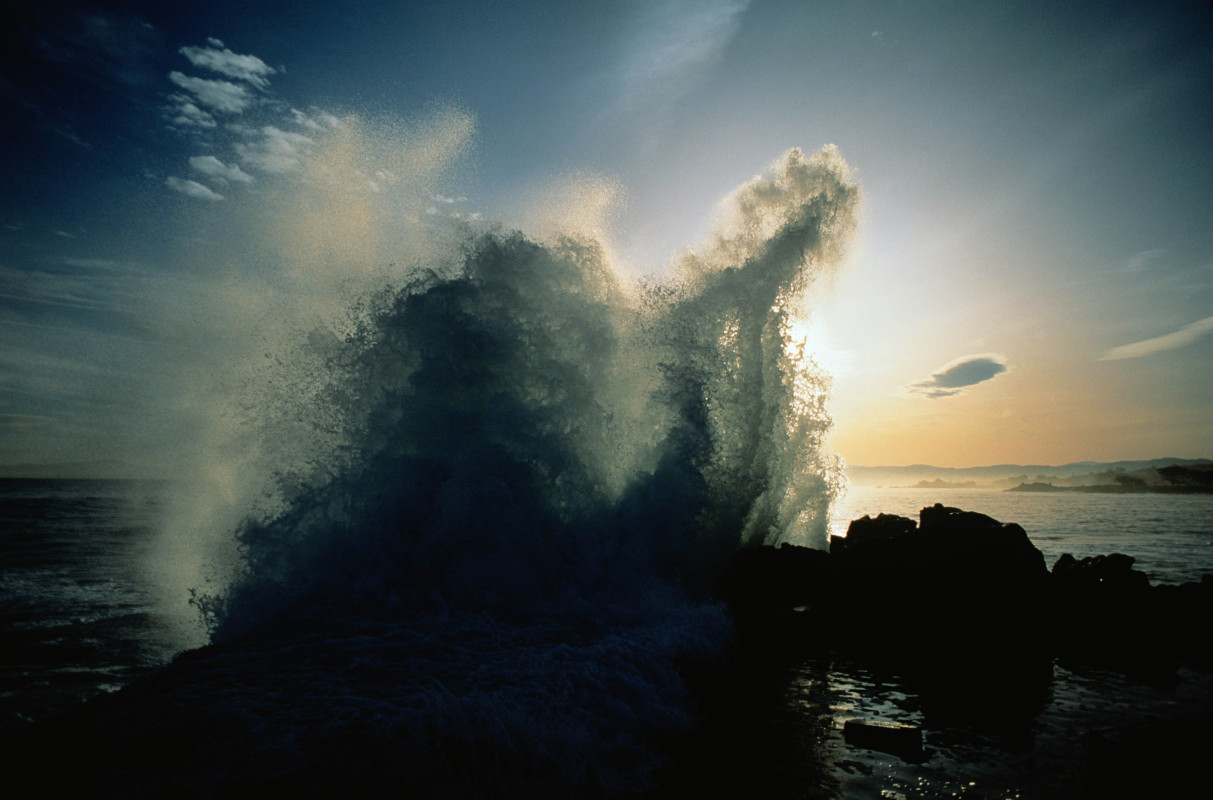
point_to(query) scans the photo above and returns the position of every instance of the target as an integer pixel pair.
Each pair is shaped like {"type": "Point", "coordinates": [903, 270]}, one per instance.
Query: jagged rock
{"type": "Point", "coordinates": [957, 569]}
{"type": "Point", "coordinates": [867, 529]}
{"type": "Point", "coordinates": [1106, 611]}
{"type": "Point", "coordinates": [961, 582]}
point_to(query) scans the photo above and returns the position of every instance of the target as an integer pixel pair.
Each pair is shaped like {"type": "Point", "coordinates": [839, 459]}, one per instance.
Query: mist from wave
{"type": "Point", "coordinates": [391, 411]}
{"type": "Point", "coordinates": [489, 453]}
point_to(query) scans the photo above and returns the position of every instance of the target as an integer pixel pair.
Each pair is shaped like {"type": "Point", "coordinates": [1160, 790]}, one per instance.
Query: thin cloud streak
{"type": "Point", "coordinates": [191, 188]}
{"type": "Point", "coordinates": [214, 168]}
{"type": "Point", "coordinates": [957, 376]}
{"type": "Point", "coordinates": [677, 41]}
{"type": "Point", "coordinates": [1171, 341]}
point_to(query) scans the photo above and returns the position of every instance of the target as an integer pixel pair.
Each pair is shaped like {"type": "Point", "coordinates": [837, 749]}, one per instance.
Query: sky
{"type": "Point", "coordinates": [1031, 281]}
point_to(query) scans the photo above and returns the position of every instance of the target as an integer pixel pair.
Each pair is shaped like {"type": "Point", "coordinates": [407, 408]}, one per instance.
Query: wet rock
{"type": "Point", "coordinates": [893, 738]}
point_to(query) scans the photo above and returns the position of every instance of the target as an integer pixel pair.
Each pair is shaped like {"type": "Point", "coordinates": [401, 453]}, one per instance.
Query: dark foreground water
{"type": "Point", "coordinates": [80, 619]}
{"type": "Point", "coordinates": [79, 614]}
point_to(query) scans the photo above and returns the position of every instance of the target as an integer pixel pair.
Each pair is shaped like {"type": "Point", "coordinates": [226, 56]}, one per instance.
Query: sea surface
{"type": "Point", "coordinates": [79, 614]}
{"type": "Point", "coordinates": [80, 617]}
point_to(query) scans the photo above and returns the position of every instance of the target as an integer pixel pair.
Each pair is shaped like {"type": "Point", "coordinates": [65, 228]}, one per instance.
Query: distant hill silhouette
{"type": "Point", "coordinates": [1156, 472]}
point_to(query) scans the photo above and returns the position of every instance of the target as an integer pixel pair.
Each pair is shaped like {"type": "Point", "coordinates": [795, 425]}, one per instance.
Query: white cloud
{"type": "Point", "coordinates": [218, 58]}
{"type": "Point", "coordinates": [223, 96]}
{"type": "Point", "coordinates": [1171, 341]}
{"type": "Point", "coordinates": [191, 188]}
{"type": "Point", "coordinates": [189, 115]}
{"type": "Point", "coordinates": [277, 151]}
{"type": "Point", "coordinates": [956, 376]}
{"type": "Point", "coordinates": [316, 120]}
{"type": "Point", "coordinates": [214, 168]}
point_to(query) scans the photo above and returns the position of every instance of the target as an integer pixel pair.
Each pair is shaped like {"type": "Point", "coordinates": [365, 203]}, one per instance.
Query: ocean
{"type": "Point", "coordinates": [80, 614]}
{"type": "Point", "coordinates": [82, 617]}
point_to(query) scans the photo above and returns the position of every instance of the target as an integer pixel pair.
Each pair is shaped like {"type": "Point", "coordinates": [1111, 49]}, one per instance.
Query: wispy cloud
{"type": "Point", "coordinates": [191, 188]}
{"type": "Point", "coordinates": [189, 115]}
{"type": "Point", "coordinates": [1171, 341]}
{"type": "Point", "coordinates": [218, 58]}
{"type": "Point", "coordinates": [237, 118]}
{"type": "Point", "coordinates": [222, 96]}
{"type": "Point", "coordinates": [1142, 260]}
{"type": "Point", "coordinates": [244, 76]}
{"type": "Point", "coordinates": [956, 376]}
{"type": "Point", "coordinates": [214, 168]}
{"type": "Point", "coordinates": [25, 421]}
{"type": "Point", "coordinates": [676, 40]}
{"type": "Point", "coordinates": [77, 284]}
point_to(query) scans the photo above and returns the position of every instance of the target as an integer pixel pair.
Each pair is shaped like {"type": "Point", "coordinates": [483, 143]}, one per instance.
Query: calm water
{"type": "Point", "coordinates": [79, 617]}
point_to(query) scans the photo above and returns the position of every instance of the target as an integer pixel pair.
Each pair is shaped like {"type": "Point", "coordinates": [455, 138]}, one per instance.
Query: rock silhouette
{"type": "Point", "coordinates": [962, 581]}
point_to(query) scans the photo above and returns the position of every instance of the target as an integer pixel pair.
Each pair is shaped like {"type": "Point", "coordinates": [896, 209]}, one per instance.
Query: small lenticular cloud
{"type": "Point", "coordinates": [956, 376]}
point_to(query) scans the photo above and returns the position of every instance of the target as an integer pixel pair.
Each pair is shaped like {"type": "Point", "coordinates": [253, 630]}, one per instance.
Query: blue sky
{"type": "Point", "coordinates": [1032, 281]}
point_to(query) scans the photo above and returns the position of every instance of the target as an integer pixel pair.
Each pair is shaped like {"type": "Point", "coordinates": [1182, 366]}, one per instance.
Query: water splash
{"type": "Point", "coordinates": [506, 424]}
{"type": "Point", "coordinates": [486, 473]}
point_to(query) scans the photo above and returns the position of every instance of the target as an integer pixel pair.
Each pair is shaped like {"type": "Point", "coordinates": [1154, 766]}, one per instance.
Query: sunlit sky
{"type": "Point", "coordinates": [1032, 281]}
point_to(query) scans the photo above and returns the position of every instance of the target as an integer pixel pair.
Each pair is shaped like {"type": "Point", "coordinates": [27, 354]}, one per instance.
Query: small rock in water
{"type": "Point", "coordinates": [887, 737]}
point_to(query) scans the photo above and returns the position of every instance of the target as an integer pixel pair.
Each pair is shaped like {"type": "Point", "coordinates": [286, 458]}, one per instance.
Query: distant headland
{"type": "Point", "coordinates": [1160, 475]}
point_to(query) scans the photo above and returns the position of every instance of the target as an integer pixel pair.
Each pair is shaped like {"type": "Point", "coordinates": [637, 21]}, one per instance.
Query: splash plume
{"type": "Point", "coordinates": [416, 431]}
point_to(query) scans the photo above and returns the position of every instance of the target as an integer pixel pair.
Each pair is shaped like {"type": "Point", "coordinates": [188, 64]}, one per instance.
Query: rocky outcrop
{"type": "Point", "coordinates": [1104, 609]}
{"type": "Point", "coordinates": [956, 570]}
{"type": "Point", "coordinates": [958, 580]}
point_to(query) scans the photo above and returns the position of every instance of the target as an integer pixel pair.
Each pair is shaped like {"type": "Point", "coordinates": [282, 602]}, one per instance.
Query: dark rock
{"type": "Point", "coordinates": [1112, 573]}
{"type": "Point", "coordinates": [962, 586]}
{"type": "Point", "coordinates": [887, 737]}
{"type": "Point", "coordinates": [1103, 612]}
{"type": "Point", "coordinates": [866, 529]}
{"type": "Point", "coordinates": [956, 571]}
{"type": "Point", "coordinates": [771, 589]}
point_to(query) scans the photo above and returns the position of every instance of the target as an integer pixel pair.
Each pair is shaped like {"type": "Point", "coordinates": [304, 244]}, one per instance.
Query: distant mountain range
{"type": "Point", "coordinates": [1009, 476]}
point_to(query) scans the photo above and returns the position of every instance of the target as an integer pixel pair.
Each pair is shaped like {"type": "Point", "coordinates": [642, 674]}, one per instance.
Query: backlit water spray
{"type": "Point", "coordinates": [404, 428]}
